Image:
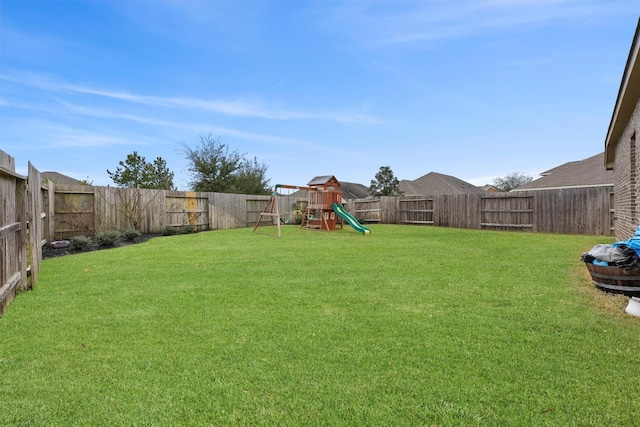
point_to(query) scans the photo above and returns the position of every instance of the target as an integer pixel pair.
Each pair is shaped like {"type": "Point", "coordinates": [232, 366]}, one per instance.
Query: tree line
{"type": "Point", "coordinates": [215, 168]}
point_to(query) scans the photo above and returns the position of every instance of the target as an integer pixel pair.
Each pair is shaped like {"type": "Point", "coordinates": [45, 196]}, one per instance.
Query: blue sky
{"type": "Point", "coordinates": [476, 89]}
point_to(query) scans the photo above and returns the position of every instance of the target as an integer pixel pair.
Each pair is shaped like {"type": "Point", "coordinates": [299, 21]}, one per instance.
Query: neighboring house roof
{"type": "Point", "coordinates": [351, 190]}
{"type": "Point", "coordinates": [438, 184]}
{"type": "Point", "coordinates": [59, 178]}
{"type": "Point", "coordinates": [408, 188]}
{"type": "Point", "coordinates": [583, 173]}
{"type": "Point", "coordinates": [628, 96]}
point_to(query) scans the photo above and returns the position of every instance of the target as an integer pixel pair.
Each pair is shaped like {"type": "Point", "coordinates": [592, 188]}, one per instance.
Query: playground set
{"type": "Point", "coordinates": [324, 209]}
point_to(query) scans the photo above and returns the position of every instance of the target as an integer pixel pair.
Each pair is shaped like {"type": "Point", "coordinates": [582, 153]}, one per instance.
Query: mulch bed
{"type": "Point", "coordinates": [50, 252]}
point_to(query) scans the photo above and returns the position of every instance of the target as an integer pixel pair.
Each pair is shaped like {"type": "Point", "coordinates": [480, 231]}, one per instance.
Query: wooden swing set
{"type": "Point", "coordinates": [319, 214]}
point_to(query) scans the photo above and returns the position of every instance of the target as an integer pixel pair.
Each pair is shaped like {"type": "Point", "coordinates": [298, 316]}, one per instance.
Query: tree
{"type": "Point", "coordinates": [385, 183]}
{"type": "Point", "coordinates": [136, 172]}
{"type": "Point", "coordinates": [511, 181]}
{"type": "Point", "coordinates": [130, 172]}
{"type": "Point", "coordinates": [216, 168]}
{"type": "Point", "coordinates": [158, 175]}
{"type": "Point", "coordinates": [250, 178]}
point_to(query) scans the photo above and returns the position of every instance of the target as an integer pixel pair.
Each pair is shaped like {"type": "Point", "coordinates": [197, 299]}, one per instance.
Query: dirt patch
{"type": "Point", "coordinates": [608, 303]}
{"type": "Point", "coordinates": [50, 252]}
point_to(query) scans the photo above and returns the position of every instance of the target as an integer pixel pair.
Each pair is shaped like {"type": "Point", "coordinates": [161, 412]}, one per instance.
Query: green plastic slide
{"type": "Point", "coordinates": [339, 209]}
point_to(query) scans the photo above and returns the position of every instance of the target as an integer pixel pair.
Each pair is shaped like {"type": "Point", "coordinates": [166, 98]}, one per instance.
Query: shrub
{"type": "Point", "coordinates": [81, 243]}
{"type": "Point", "coordinates": [108, 238]}
{"type": "Point", "coordinates": [188, 229]}
{"type": "Point", "coordinates": [131, 234]}
{"type": "Point", "coordinates": [169, 231]}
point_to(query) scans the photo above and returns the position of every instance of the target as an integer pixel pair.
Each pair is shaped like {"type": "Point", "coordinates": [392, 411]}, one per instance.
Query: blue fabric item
{"type": "Point", "coordinates": [633, 243]}
{"type": "Point", "coordinates": [600, 262]}
{"type": "Point", "coordinates": [637, 233]}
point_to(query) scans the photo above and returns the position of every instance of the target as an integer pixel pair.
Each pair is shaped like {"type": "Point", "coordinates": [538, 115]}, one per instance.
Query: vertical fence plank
{"type": "Point", "coordinates": [21, 236]}
{"type": "Point", "coordinates": [34, 209]}
{"type": "Point", "coordinates": [51, 211]}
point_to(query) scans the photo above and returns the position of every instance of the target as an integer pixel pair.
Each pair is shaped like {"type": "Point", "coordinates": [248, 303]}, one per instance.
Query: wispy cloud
{"type": "Point", "coordinates": [380, 23]}
{"type": "Point", "coordinates": [50, 134]}
{"type": "Point", "coordinates": [241, 107]}
{"type": "Point", "coordinates": [66, 137]}
{"type": "Point", "coordinates": [236, 107]}
{"type": "Point", "coordinates": [74, 136]}
{"type": "Point", "coordinates": [191, 127]}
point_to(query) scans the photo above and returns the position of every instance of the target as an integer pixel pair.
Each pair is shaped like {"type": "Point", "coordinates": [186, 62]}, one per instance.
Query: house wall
{"type": "Point", "coordinates": [627, 177]}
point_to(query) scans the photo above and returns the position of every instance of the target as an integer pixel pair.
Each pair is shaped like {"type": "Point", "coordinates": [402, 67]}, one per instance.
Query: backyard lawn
{"type": "Point", "coordinates": [407, 326]}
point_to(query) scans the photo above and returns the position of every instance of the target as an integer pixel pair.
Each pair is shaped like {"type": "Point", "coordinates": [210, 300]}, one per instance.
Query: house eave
{"type": "Point", "coordinates": [628, 95]}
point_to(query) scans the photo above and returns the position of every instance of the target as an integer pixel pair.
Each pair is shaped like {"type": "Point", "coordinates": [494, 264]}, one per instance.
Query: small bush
{"type": "Point", "coordinates": [131, 234]}
{"type": "Point", "coordinates": [108, 238]}
{"type": "Point", "coordinates": [81, 243]}
{"type": "Point", "coordinates": [169, 231]}
{"type": "Point", "coordinates": [188, 229]}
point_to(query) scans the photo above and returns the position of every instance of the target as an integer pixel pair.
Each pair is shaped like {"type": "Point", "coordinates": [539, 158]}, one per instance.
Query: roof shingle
{"type": "Point", "coordinates": [589, 172]}
{"type": "Point", "coordinates": [435, 183]}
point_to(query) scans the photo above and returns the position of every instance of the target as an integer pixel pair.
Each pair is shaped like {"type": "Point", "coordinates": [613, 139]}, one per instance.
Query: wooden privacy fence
{"type": "Point", "coordinates": [567, 211]}
{"type": "Point", "coordinates": [87, 210]}
{"type": "Point", "coordinates": [23, 224]}
{"type": "Point", "coordinates": [13, 231]}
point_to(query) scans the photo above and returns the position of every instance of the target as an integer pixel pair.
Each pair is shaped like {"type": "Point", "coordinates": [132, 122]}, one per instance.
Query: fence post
{"type": "Point", "coordinates": [212, 211]}
{"type": "Point", "coordinates": [51, 211]}
{"type": "Point", "coordinates": [21, 240]}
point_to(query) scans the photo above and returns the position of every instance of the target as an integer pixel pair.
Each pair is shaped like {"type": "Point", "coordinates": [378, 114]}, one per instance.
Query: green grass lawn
{"type": "Point", "coordinates": [407, 326]}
